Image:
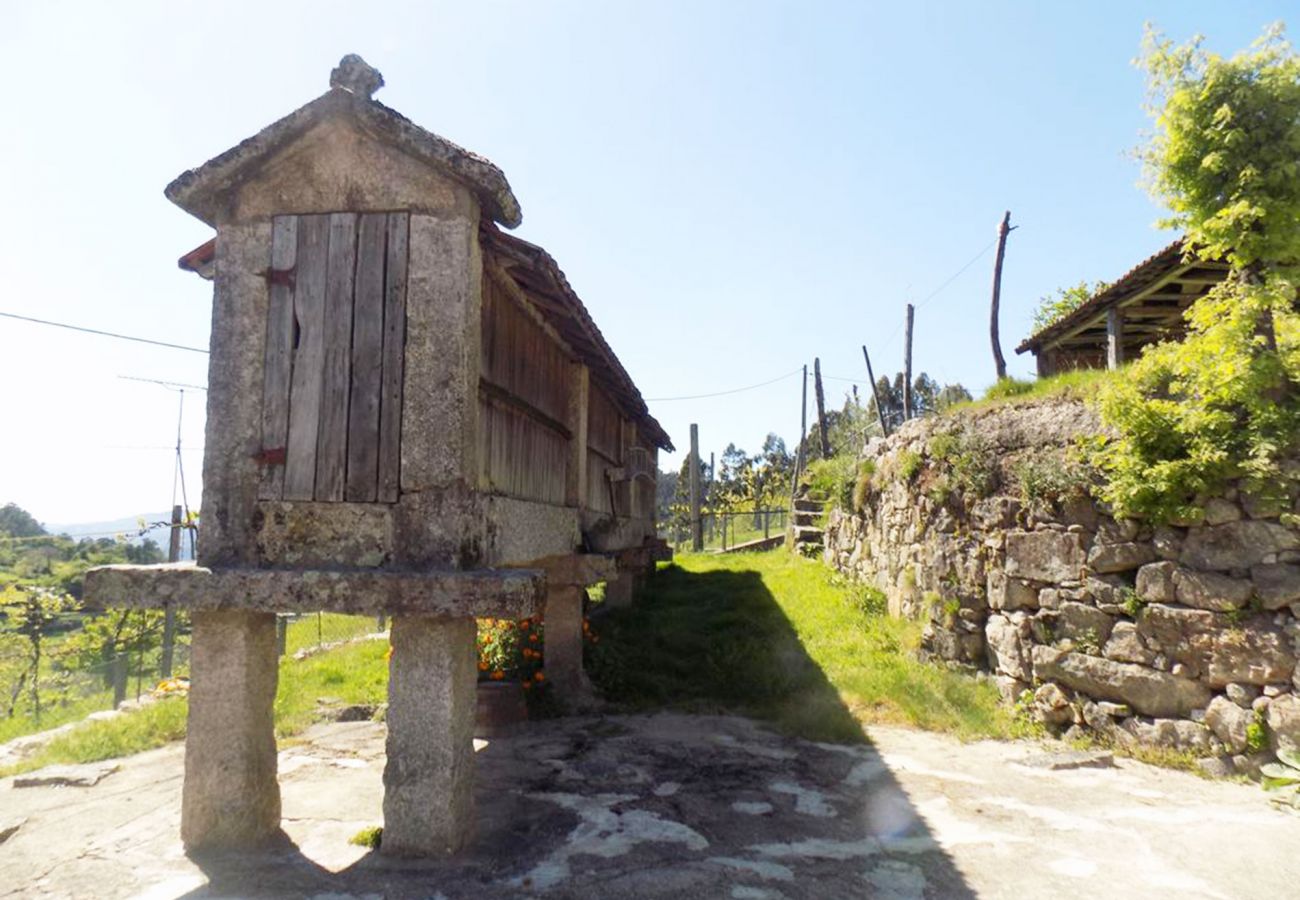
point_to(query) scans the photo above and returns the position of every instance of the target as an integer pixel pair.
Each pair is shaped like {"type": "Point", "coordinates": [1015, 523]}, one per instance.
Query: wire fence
{"type": "Point", "coordinates": [60, 687]}
{"type": "Point", "coordinates": [725, 530]}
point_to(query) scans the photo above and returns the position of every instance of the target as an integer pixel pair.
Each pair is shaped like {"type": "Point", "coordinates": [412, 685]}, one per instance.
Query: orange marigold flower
{"type": "Point", "coordinates": [540, 676]}
{"type": "Point", "coordinates": [532, 638]}
{"type": "Point", "coordinates": [482, 666]}
{"type": "Point", "coordinates": [498, 675]}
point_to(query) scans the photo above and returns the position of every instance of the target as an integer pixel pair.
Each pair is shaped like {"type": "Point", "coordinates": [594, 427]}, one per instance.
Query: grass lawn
{"type": "Point", "coordinates": [784, 639]}
{"type": "Point", "coordinates": [357, 673]}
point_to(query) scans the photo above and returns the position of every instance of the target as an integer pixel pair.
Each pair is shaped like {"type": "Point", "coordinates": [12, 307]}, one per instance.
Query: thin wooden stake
{"type": "Point", "coordinates": [907, 365]}
{"type": "Point", "coordinates": [697, 533]}
{"type": "Point", "coordinates": [880, 410]}
{"type": "Point", "coordinates": [999, 361]}
{"type": "Point", "coordinates": [803, 430]}
{"type": "Point", "coordinates": [169, 614]}
{"type": "Point", "coordinates": [821, 408]}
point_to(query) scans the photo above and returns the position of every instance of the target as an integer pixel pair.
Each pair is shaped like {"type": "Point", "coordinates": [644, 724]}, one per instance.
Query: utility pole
{"type": "Point", "coordinates": [999, 361]}
{"type": "Point", "coordinates": [169, 614]}
{"type": "Point", "coordinates": [880, 411]}
{"type": "Point", "coordinates": [821, 408]}
{"type": "Point", "coordinates": [907, 366]}
{"type": "Point", "coordinates": [803, 430]}
{"type": "Point", "coordinates": [697, 536]}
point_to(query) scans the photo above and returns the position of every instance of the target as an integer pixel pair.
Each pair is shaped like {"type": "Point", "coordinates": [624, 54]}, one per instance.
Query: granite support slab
{"type": "Point", "coordinates": [231, 798]}
{"type": "Point", "coordinates": [480, 593]}
{"type": "Point", "coordinates": [429, 772]}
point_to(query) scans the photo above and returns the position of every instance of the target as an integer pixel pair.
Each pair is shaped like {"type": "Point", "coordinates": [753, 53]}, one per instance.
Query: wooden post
{"type": "Point", "coordinates": [697, 534]}
{"type": "Point", "coordinates": [998, 360]}
{"type": "Point", "coordinates": [880, 411]}
{"type": "Point", "coordinates": [821, 408]}
{"type": "Point", "coordinates": [575, 482]}
{"type": "Point", "coordinates": [169, 614]}
{"type": "Point", "coordinates": [803, 428]}
{"type": "Point", "coordinates": [1114, 338]}
{"type": "Point", "coordinates": [119, 678]}
{"type": "Point", "coordinates": [907, 365]}
{"type": "Point", "coordinates": [281, 634]}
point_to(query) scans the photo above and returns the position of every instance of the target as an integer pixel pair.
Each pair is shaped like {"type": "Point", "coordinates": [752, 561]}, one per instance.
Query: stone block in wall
{"type": "Point", "coordinates": [1252, 652]}
{"type": "Point", "coordinates": [1155, 582]}
{"type": "Point", "coordinates": [1116, 531]}
{"type": "Point", "coordinates": [1167, 541]}
{"type": "Point", "coordinates": [990, 513]}
{"type": "Point", "coordinates": [1284, 723]}
{"type": "Point", "coordinates": [1185, 635]}
{"type": "Point", "coordinates": [1106, 558]}
{"type": "Point", "coordinates": [1005, 592]}
{"type": "Point", "coordinates": [1007, 643]}
{"type": "Point", "coordinates": [1258, 507]}
{"type": "Point", "coordinates": [1229, 722]}
{"type": "Point", "coordinates": [1210, 590]}
{"type": "Point", "coordinates": [1125, 645]}
{"type": "Point", "coordinates": [1219, 511]}
{"type": "Point", "coordinates": [1175, 734]}
{"type": "Point", "coordinates": [1044, 555]}
{"type": "Point", "coordinates": [1052, 705]}
{"type": "Point", "coordinates": [953, 645]}
{"type": "Point", "coordinates": [1147, 691]}
{"type": "Point", "coordinates": [1236, 545]}
{"type": "Point", "coordinates": [1276, 584]}
{"type": "Point", "coordinates": [1083, 624]}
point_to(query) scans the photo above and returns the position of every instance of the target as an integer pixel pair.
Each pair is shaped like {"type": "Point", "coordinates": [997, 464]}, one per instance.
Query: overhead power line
{"type": "Point", "coordinates": [724, 393]}
{"type": "Point", "coordinates": [120, 337]}
{"type": "Point", "coordinates": [167, 384]}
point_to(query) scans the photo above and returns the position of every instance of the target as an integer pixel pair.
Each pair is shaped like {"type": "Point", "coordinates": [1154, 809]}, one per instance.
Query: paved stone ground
{"type": "Point", "coordinates": [678, 806]}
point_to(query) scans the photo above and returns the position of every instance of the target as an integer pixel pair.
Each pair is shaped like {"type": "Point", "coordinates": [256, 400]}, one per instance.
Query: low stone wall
{"type": "Point", "coordinates": [1183, 636]}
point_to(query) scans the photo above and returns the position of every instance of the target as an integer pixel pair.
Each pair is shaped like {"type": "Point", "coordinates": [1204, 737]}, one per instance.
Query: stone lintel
{"type": "Point", "coordinates": [480, 593]}
{"type": "Point", "coordinates": [575, 569]}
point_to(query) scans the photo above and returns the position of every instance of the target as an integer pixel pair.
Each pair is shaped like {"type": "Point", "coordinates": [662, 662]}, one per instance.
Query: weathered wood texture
{"type": "Point", "coordinates": [278, 356]}
{"type": "Point", "coordinates": [336, 332]}
{"type": "Point", "coordinates": [524, 402]}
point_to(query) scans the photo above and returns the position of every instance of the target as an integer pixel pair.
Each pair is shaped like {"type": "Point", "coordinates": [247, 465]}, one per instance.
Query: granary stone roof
{"type": "Point", "coordinates": [200, 191]}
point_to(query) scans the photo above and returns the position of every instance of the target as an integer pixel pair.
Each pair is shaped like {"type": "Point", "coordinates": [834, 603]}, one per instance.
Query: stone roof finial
{"type": "Point", "coordinates": [355, 75]}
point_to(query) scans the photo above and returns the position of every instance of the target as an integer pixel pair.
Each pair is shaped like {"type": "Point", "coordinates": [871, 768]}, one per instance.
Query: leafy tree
{"type": "Point", "coordinates": [18, 522]}
{"type": "Point", "coordinates": [1054, 307]}
{"type": "Point", "coordinates": [927, 397]}
{"type": "Point", "coordinates": [1225, 159]}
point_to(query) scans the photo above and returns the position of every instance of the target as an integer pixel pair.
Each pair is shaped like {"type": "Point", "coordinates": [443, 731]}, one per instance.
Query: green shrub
{"type": "Point", "coordinates": [1008, 387]}
{"type": "Point", "coordinates": [835, 479]}
{"type": "Point", "coordinates": [862, 486]}
{"type": "Point", "coordinates": [1049, 476]}
{"type": "Point", "coordinates": [909, 464]}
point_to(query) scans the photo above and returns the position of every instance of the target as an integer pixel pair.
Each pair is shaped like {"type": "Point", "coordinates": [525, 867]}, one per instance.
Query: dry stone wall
{"type": "Point", "coordinates": [1183, 635]}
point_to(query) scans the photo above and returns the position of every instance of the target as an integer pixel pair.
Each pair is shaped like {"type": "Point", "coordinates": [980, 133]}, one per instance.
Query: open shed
{"type": "Point", "coordinates": [1144, 306]}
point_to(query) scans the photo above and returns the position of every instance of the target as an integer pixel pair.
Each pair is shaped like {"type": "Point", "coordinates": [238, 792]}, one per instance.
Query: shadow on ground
{"type": "Point", "coordinates": [663, 804]}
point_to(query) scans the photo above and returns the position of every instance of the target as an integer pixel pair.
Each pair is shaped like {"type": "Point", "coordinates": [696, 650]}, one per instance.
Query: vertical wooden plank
{"type": "Point", "coordinates": [907, 365]}
{"type": "Point", "coordinates": [308, 357]}
{"type": "Point", "coordinates": [1114, 338]}
{"type": "Point", "coordinates": [390, 403]}
{"type": "Point", "coordinates": [277, 368]}
{"type": "Point", "coordinates": [575, 493]}
{"type": "Point", "coordinates": [340, 273]}
{"type": "Point", "coordinates": [367, 359]}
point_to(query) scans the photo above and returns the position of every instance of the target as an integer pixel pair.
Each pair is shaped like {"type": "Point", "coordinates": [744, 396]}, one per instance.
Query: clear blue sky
{"type": "Point", "coordinates": [733, 188]}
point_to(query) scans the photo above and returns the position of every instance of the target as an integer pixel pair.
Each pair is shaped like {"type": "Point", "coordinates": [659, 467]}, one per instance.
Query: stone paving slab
{"type": "Point", "coordinates": [671, 805]}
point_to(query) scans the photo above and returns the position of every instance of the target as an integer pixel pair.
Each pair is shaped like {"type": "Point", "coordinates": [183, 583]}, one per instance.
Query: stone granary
{"type": "Point", "coordinates": [409, 413]}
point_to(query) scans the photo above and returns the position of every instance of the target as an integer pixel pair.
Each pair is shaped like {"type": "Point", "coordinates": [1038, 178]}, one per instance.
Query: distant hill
{"type": "Point", "coordinates": [128, 526]}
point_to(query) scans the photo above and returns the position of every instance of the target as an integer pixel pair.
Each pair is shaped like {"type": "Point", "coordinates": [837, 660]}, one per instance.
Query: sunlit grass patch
{"type": "Point", "coordinates": [783, 639]}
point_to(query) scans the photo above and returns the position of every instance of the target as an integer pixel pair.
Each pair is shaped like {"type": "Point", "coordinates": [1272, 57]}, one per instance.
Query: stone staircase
{"type": "Point", "coordinates": [806, 529]}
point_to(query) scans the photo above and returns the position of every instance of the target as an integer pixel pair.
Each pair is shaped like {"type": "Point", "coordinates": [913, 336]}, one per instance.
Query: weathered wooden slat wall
{"type": "Point", "coordinates": [519, 456]}
{"type": "Point", "coordinates": [278, 358]}
{"type": "Point", "coordinates": [308, 359]}
{"type": "Point", "coordinates": [390, 404]}
{"type": "Point", "coordinates": [336, 337]}
{"type": "Point", "coordinates": [367, 360]}
{"type": "Point", "coordinates": [598, 499]}
{"type": "Point", "coordinates": [526, 375]}
{"type": "Point", "coordinates": [332, 446]}
{"type": "Point", "coordinates": [604, 426]}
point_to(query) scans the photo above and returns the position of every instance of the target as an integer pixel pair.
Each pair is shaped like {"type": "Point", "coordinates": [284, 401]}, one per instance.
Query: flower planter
{"type": "Point", "coordinates": [501, 708]}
